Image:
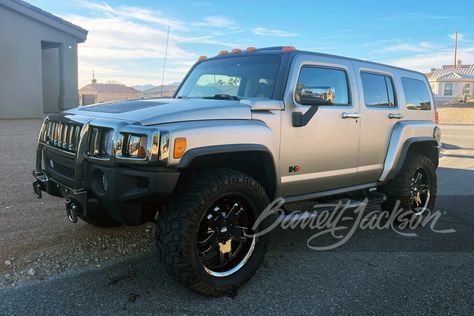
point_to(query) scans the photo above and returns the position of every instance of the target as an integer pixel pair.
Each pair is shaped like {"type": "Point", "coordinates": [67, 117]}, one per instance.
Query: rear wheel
{"type": "Point", "coordinates": [414, 188]}
{"type": "Point", "coordinates": [205, 238]}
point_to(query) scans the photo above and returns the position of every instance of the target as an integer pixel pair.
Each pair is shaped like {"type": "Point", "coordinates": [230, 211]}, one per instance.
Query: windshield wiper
{"type": "Point", "coordinates": [223, 96]}
{"type": "Point", "coordinates": [183, 97]}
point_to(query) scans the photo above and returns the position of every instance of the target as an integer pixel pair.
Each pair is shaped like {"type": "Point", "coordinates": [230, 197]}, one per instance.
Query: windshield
{"type": "Point", "coordinates": [233, 78]}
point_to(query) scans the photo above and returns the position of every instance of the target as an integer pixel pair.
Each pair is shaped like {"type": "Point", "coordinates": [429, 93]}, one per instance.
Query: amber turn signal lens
{"type": "Point", "coordinates": [235, 51]}
{"type": "Point", "coordinates": [202, 58]}
{"type": "Point", "coordinates": [251, 49]}
{"type": "Point", "coordinates": [179, 147]}
{"type": "Point", "coordinates": [223, 52]}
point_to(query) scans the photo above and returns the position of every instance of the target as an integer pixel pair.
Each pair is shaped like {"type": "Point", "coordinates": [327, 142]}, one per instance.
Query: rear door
{"type": "Point", "coordinates": [380, 111]}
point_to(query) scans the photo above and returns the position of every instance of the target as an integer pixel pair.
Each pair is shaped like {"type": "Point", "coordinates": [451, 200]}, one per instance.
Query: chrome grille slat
{"type": "Point", "coordinates": [62, 135]}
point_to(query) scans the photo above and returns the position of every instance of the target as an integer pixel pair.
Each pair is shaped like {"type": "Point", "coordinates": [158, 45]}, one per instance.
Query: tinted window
{"type": "Point", "coordinates": [315, 77]}
{"type": "Point", "coordinates": [416, 94]}
{"type": "Point", "coordinates": [378, 90]}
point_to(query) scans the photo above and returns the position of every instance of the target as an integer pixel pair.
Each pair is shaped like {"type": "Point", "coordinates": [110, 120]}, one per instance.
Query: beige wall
{"type": "Point", "coordinates": [21, 70]}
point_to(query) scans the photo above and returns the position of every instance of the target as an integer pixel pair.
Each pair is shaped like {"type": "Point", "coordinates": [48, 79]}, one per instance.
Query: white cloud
{"type": "Point", "coordinates": [217, 22]}
{"type": "Point", "coordinates": [134, 41]}
{"type": "Point", "coordinates": [424, 62]}
{"type": "Point", "coordinates": [408, 47]}
{"type": "Point", "coordinates": [136, 13]}
{"type": "Point", "coordinates": [272, 32]}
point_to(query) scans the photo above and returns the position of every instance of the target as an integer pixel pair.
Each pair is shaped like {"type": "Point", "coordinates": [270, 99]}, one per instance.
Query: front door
{"type": "Point", "coordinates": [323, 154]}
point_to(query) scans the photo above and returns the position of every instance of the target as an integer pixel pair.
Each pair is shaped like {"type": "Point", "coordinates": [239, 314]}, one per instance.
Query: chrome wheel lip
{"type": "Point", "coordinates": [237, 267]}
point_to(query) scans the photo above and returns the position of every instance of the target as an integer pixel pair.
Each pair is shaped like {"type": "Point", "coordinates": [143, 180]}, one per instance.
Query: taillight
{"type": "Point", "coordinates": [436, 117]}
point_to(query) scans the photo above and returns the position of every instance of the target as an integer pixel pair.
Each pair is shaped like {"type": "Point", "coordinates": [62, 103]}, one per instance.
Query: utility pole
{"type": "Point", "coordinates": [164, 62]}
{"type": "Point", "coordinates": [455, 48]}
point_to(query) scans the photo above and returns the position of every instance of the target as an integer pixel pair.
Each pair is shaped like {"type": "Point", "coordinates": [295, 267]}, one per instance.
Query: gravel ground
{"type": "Point", "coordinates": [36, 239]}
{"type": "Point", "coordinates": [456, 115]}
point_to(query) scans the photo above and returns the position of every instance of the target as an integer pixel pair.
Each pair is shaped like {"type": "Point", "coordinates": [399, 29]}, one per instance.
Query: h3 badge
{"type": "Point", "coordinates": [295, 168]}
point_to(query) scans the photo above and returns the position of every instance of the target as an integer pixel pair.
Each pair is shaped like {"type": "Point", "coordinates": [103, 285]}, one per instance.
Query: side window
{"type": "Point", "coordinates": [378, 90]}
{"type": "Point", "coordinates": [416, 94]}
{"type": "Point", "coordinates": [327, 79]}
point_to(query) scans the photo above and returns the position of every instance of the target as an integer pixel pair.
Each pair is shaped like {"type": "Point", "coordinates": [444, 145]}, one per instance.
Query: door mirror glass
{"type": "Point", "coordinates": [315, 95]}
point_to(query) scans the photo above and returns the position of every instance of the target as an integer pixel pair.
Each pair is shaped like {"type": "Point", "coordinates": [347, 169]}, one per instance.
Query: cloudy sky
{"type": "Point", "coordinates": [126, 41]}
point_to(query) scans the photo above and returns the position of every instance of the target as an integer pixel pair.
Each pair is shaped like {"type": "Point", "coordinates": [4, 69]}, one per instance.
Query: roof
{"type": "Point", "coordinates": [279, 50]}
{"type": "Point", "coordinates": [453, 73]}
{"type": "Point", "coordinates": [108, 88]}
{"type": "Point", "coordinates": [46, 18]}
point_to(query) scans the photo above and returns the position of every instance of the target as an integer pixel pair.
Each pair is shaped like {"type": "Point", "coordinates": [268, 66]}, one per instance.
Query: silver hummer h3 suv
{"type": "Point", "coordinates": [243, 128]}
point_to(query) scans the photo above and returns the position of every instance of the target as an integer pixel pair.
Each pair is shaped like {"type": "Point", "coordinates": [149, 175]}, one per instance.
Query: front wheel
{"type": "Point", "coordinates": [204, 237]}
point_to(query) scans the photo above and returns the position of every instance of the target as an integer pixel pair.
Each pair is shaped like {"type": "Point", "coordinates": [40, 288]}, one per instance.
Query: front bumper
{"type": "Point", "coordinates": [133, 192]}
{"type": "Point", "coordinates": [130, 195]}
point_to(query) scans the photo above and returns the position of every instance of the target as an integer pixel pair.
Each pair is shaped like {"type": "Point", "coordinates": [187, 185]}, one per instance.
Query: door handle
{"type": "Point", "coordinates": [395, 116]}
{"type": "Point", "coordinates": [350, 115]}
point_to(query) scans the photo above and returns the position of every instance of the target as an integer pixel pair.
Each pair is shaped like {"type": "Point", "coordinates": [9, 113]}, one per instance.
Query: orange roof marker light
{"type": "Point", "coordinates": [250, 49]}
{"type": "Point", "coordinates": [286, 49]}
{"type": "Point", "coordinates": [235, 51]}
{"type": "Point", "coordinates": [223, 52]}
{"type": "Point", "coordinates": [202, 58]}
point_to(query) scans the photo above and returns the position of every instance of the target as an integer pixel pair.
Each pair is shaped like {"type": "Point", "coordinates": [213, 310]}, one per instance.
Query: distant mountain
{"type": "Point", "coordinates": [143, 87]}
{"type": "Point", "coordinates": [168, 89]}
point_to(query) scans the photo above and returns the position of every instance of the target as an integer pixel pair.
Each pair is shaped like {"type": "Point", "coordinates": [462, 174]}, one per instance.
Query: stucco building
{"type": "Point", "coordinates": [452, 83]}
{"type": "Point", "coordinates": [104, 92]}
{"type": "Point", "coordinates": [38, 61]}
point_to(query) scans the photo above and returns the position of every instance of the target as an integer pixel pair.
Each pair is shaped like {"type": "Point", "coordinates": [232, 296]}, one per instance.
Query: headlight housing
{"type": "Point", "coordinates": [132, 146]}
{"type": "Point", "coordinates": [164, 146]}
{"type": "Point", "coordinates": [136, 146]}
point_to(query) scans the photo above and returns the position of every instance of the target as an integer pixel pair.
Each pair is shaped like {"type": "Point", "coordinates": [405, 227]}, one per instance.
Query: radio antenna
{"type": "Point", "coordinates": [164, 62]}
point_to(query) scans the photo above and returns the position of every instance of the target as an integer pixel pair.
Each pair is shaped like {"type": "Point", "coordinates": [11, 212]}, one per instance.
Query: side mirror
{"type": "Point", "coordinates": [315, 95]}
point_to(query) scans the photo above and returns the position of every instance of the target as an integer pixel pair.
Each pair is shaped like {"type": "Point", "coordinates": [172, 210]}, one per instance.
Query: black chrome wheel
{"type": "Point", "coordinates": [420, 191]}
{"type": "Point", "coordinates": [224, 241]}
{"type": "Point", "coordinates": [414, 188]}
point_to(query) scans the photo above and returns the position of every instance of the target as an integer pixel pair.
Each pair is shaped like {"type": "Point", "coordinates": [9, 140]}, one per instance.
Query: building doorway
{"type": "Point", "coordinates": [51, 76]}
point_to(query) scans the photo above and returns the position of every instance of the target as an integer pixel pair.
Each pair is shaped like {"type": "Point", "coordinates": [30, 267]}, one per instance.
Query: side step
{"type": "Point", "coordinates": [373, 198]}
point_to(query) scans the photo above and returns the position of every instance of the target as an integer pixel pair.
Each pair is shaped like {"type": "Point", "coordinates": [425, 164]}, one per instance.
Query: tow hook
{"type": "Point", "coordinates": [37, 189]}
{"type": "Point", "coordinates": [72, 211]}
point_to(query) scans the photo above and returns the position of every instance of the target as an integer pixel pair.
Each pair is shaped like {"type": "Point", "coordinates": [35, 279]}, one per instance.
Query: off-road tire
{"type": "Point", "coordinates": [398, 189]}
{"type": "Point", "coordinates": [177, 225]}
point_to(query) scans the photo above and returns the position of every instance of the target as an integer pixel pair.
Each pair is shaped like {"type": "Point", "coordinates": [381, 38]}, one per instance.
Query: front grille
{"type": "Point", "coordinates": [67, 171]}
{"type": "Point", "coordinates": [62, 135]}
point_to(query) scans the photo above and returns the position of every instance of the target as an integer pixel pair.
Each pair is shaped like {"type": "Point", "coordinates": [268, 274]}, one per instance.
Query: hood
{"type": "Point", "coordinates": [158, 111]}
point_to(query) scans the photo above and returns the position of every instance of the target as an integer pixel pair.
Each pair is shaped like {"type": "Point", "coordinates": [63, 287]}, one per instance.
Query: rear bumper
{"type": "Point", "coordinates": [130, 196]}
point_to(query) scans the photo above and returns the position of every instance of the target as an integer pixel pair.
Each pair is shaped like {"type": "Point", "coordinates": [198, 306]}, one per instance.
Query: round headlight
{"type": "Point", "coordinates": [136, 146]}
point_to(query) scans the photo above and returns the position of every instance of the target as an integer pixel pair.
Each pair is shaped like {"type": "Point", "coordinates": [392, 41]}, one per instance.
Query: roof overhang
{"type": "Point", "coordinates": [46, 18]}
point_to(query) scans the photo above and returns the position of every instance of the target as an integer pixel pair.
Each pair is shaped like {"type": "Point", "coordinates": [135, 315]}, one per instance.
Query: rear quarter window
{"type": "Point", "coordinates": [416, 94]}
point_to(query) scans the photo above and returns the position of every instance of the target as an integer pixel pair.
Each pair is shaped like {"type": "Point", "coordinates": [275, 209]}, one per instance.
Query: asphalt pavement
{"type": "Point", "coordinates": [79, 270]}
